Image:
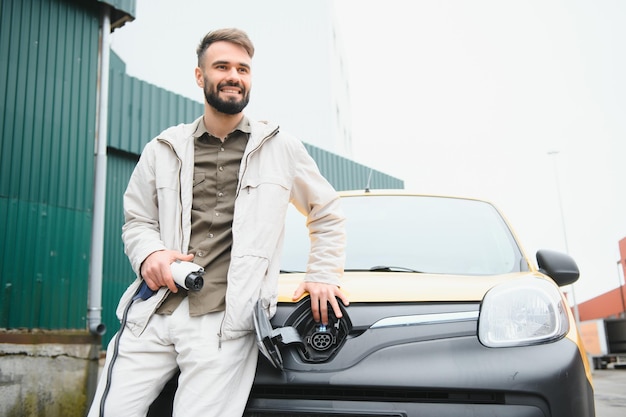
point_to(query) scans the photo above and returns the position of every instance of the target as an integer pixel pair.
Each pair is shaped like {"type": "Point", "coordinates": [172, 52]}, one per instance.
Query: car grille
{"type": "Point", "coordinates": [357, 395]}
{"type": "Point", "coordinates": [376, 395]}
{"type": "Point", "coordinates": [305, 414]}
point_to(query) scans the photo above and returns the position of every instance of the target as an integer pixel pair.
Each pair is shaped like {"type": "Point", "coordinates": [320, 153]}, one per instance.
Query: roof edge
{"type": "Point", "coordinates": [122, 11]}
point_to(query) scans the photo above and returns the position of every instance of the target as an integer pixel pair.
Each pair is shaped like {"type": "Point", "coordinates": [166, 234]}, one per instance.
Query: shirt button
{"type": "Point", "coordinates": [217, 215]}
{"type": "Point", "coordinates": [220, 194]}
{"type": "Point", "coordinates": [210, 235]}
{"type": "Point", "coordinates": [221, 168]}
{"type": "Point", "coordinates": [200, 253]}
{"type": "Point", "coordinates": [221, 149]}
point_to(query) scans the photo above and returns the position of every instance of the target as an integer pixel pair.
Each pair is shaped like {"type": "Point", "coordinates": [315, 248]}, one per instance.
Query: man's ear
{"type": "Point", "coordinates": [199, 77]}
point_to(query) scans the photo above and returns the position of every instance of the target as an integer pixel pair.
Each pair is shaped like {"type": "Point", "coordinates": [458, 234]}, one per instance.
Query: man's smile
{"type": "Point", "coordinates": [231, 90]}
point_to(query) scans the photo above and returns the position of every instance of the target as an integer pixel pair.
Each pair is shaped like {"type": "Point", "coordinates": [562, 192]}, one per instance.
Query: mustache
{"type": "Point", "coordinates": [231, 84]}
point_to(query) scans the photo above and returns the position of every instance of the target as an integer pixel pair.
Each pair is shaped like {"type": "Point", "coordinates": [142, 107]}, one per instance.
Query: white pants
{"type": "Point", "coordinates": [215, 380]}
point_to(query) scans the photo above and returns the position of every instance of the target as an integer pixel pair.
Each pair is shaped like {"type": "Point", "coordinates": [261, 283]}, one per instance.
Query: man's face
{"type": "Point", "coordinates": [225, 77]}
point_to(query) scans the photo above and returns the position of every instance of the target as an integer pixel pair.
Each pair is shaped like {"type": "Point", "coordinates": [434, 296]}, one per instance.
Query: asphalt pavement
{"type": "Point", "coordinates": [610, 392]}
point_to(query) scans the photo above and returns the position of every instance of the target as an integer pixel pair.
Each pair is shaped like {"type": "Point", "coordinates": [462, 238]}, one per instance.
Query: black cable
{"type": "Point", "coordinates": [116, 348]}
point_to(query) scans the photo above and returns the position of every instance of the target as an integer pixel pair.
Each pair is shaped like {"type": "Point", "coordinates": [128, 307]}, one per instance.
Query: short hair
{"type": "Point", "coordinates": [233, 35]}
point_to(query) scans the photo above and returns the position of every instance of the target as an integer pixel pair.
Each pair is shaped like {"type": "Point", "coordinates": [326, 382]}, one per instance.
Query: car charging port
{"type": "Point", "coordinates": [314, 342]}
{"type": "Point", "coordinates": [323, 337]}
{"type": "Point", "coordinates": [319, 341]}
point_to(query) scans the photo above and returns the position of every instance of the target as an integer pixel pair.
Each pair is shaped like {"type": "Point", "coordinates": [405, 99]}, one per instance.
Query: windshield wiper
{"type": "Point", "coordinates": [388, 268]}
{"type": "Point", "coordinates": [385, 268]}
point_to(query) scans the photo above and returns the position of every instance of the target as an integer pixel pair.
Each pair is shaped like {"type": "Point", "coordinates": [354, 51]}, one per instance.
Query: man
{"type": "Point", "coordinates": [214, 191]}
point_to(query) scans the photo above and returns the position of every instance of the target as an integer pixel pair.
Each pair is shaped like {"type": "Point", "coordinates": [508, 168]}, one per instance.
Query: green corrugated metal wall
{"type": "Point", "coordinates": [345, 174]}
{"type": "Point", "coordinates": [138, 111]}
{"type": "Point", "coordinates": [116, 271]}
{"type": "Point", "coordinates": [48, 68]}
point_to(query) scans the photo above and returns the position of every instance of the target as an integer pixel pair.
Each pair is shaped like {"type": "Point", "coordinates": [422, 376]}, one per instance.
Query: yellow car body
{"type": "Point", "coordinates": [419, 340]}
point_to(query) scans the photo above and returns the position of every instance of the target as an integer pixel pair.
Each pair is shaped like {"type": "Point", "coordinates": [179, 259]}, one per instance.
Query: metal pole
{"type": "Point", "coordinates": [620, 287]}
{"type": "Point", "coordinates": [94, 308]}
{"type": "Point", "coordinates": [554, 154]}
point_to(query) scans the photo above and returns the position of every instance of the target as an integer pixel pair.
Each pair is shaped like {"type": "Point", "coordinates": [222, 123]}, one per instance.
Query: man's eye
{"type": "Point", "coordinates": [244, 70]}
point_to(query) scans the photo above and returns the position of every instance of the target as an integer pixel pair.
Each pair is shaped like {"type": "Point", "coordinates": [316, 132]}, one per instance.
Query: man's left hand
{"type": "Point", "coordinates": [322, 294]}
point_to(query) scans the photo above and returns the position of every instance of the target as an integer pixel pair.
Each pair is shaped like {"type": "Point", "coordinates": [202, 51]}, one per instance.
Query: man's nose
{"type": "Point", "coordinates": [233, 74]}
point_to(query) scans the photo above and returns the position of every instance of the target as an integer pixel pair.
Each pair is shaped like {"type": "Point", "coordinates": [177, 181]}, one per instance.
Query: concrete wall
{"type": "Point", "coordinates": [47, 373]}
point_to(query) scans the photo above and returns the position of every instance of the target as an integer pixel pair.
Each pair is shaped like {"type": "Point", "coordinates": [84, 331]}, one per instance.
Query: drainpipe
{"type": "Point", "coordinates": [94, 306]}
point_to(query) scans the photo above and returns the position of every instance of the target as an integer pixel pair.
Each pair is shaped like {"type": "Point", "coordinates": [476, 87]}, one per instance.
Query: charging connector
{"type": "Point", "coordinates": [187, 275]}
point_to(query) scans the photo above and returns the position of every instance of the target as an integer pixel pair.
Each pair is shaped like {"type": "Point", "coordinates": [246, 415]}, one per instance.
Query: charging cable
{"type": "Point", "coordinates": [116, 346]}
{"type": "Point", "coordinates": [187, 275]}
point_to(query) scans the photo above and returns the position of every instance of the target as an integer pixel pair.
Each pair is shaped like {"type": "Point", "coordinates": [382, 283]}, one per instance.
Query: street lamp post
{"type": "Point", "coordinates": [554, 155]}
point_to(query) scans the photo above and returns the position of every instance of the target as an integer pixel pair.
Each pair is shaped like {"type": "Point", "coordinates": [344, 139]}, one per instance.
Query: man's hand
{"type": "Point", "coordinates": [322, 294]}
{"type": "Point", "coordinates": [156, 271]}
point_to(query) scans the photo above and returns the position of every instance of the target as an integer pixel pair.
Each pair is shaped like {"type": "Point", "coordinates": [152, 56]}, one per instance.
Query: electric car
{"type": "Point", "coordinates": [447, 317]}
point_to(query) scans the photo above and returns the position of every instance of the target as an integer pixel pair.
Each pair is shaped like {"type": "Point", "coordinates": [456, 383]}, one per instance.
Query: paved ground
{"type": "Point", "coordinates": [610, 392]}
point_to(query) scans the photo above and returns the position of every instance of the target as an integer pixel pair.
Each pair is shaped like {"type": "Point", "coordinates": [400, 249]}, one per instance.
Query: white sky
{"type": "Point", "coordinates": [458, 97]}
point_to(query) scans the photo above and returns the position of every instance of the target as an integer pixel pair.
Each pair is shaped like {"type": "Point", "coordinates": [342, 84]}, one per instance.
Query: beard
{"type": "Point", "coordinates": [230, 106]}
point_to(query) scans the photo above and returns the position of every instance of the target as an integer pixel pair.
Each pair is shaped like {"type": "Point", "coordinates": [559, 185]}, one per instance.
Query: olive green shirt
{"type": "Point", "coordinates": [216, 168]}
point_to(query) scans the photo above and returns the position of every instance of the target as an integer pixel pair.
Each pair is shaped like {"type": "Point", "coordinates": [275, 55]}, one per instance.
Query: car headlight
{"type": "Point", "coordinates": [522, 312]}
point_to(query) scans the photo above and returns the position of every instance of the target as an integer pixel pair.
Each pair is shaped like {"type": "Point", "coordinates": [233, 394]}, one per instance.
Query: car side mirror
{"type": "Point", "coordinates": [559, 266]}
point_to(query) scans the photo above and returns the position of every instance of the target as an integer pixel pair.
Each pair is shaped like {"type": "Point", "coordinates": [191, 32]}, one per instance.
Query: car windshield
{"type": "Point", "coordinates": [424, 234]}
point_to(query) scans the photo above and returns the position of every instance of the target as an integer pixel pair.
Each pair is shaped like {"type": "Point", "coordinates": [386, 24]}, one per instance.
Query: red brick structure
{"type": "Point", "coordinates": [611, 304]}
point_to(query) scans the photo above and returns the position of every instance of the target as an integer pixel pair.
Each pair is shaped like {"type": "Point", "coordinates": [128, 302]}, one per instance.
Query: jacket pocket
{"type": "Point", "coordinates": [166, 178]}
{"type": "Point", "coordinates": [198, 178]}
{"type": "Point", "coordinates": [167, 185]}
{"type": "Point", "coordinates": [168, 207]}
{"type": "Point", "coordinates": [246, 278]}
{"type": "Point", "coordinates": [259, 220]}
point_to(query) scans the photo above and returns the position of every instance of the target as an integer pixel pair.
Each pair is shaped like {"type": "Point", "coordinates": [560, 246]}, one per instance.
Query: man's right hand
{"type": "Point", "coordinates": [156, 271]}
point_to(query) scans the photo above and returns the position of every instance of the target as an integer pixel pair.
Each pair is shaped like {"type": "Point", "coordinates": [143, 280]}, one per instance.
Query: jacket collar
{"type": "Point", "coordinates": [179, 136]}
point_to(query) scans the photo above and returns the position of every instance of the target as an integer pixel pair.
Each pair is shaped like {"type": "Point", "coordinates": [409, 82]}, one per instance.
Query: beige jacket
{"type": "Point", "coordinates": [275, 170]}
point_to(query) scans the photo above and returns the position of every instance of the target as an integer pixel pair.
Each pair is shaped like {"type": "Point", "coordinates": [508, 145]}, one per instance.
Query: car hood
{"type": "Point", "coordinates": [363, 286]}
